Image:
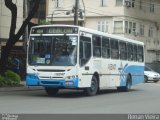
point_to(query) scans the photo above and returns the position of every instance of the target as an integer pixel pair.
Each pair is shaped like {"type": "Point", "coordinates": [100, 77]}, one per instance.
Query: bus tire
{"type": "Point", "coordinates": [128, 85]}
{"type": "Point", "coordinates": [91, 91]}
{"type": "Point", "coordinates": [51, 91]}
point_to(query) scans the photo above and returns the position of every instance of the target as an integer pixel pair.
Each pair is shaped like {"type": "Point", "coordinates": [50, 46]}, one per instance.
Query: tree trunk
{"type": "Point", "coordinates": [13, 38]}
{"type": "Point", "coordinates": [4, 58]}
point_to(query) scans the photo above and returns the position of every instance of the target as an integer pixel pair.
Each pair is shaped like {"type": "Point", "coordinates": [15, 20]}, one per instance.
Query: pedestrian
{"type": "Point", "coordinates": [16, 65]}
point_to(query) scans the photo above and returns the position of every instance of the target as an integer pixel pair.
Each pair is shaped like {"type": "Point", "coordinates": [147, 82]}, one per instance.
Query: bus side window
{"type": "Point", "coordinates": [96, 46]}
{"type": "Point", "coordinates": [130, 52]}
{"type": "Point", "coordinates": [140, 54]}
{"type": "Point", "coordinates": [85, 50]}
{"type": "Point", "coordinates": [123, 50]}
{"type": "Point", "coordinates": [105, 47]}
{"type": "Point", "coordinates": [114, 49]}
{"type": "Point", "coordinates": [135, 52]}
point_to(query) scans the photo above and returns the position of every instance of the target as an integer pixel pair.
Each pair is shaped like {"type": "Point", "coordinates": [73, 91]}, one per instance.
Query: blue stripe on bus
{"type": "Point", "coordinates": [32, 80]}
{"type": "Point", "coordinates": [135, 70]}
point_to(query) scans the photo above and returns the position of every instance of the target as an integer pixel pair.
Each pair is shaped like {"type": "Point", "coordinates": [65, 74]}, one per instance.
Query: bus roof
{"type": "Point", "coordinates": [94, 32]}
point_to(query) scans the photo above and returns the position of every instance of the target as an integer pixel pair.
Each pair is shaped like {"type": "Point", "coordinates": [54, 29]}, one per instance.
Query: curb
{"type": "Point", "coordinates": [22, 87]}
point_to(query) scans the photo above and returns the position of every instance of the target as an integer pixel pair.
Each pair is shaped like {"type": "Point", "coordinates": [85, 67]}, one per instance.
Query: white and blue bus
{"type": "Point", "coordinates": [68, 56]}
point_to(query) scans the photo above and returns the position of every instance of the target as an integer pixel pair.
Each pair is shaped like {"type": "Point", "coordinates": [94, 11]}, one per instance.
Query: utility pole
{"type": "Point", "coordinates": [76, 12]}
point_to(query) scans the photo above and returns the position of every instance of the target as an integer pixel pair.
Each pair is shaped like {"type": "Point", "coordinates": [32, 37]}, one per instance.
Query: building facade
{"type": "Point", "coordinates": [5, 22]}
{"type": "Point", "coordinates": [135, 19]}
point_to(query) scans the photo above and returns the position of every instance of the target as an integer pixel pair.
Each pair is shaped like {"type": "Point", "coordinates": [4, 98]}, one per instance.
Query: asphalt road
{"type": "Point", "coordinates": [144, 98]}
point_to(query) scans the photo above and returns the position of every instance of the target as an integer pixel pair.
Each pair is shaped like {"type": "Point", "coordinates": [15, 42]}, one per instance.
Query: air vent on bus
{"type": "Point", "coordinates": [50, 70]}
{"type": "Point", "coordinates": [50, 82]}
{"type": "Point", "coordinates": [45, 77]}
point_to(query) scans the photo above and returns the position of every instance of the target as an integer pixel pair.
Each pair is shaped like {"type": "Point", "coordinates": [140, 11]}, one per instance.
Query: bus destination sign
{"type": "Point", "coordinates": [55, 30]}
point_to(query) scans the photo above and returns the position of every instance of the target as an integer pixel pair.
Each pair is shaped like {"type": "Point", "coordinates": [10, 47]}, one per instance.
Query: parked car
{"type": "Point", "coordinates": [151, 75]}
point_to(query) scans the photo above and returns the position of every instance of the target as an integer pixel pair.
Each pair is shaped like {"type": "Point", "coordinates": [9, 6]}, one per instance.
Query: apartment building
{"type": "Point", "coordinates": [135, 19]}
{"type": "Point", "coordinates": [5, 22]}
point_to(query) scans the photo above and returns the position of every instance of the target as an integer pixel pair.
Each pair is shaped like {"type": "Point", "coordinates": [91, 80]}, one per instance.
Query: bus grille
{"type": "Point", "coordinates": [44, 77]}
{"type": "Point", "coordinates": [50, 82]}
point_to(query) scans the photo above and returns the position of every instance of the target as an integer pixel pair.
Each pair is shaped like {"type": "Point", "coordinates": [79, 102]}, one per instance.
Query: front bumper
{"type": "Point", "coordinates": [32, 80]}
{"type": "Point", "coordinates": [153, 78]}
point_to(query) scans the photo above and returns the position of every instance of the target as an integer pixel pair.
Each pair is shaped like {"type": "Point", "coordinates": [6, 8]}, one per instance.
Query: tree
{"type": "Point", "coordinates": [44, 22]}
{"type": "Point", "coordinates": [14, 37]}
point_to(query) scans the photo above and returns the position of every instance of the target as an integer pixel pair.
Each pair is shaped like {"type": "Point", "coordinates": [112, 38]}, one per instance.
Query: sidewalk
{"type": "Point", "coordinates": [22, 87]}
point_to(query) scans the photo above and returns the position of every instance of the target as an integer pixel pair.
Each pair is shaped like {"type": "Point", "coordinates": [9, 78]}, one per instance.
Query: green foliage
{"type": "Point", "coordinates": [2, 82]}
{"type": "Point", "coordinates": [44, 22]}
{"type": "Point", "coordinates": [9, 79]}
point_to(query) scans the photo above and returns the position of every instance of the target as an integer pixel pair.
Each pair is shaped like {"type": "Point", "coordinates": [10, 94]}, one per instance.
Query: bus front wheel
{"type": "Point", "coordinates": [91, 91]}
{"type": "Point", "coordinates": [51, 91]}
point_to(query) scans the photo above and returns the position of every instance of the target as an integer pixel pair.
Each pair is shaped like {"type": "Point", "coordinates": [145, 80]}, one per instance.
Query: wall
{"type": "Point", "coordinates": [5, 17]}
{"type": "Point", "coordinates": [93, 9]}
{"type": "Point", "coordinates": [144, 13]}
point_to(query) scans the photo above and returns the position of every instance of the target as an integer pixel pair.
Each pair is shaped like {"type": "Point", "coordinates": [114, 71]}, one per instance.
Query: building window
{"type": "Point", "coordinates": [119, 2]}
{"type": "Point", "coordinates": [130, 27]}
{"type": "Point", "coordinates": [118, 26]}
{"type": "Point", "coordinates": [140, 4]}
{"type": "Point", "coordinates": [58, 3]}
{"type": "Point", "coordinates": [152, 8]}
{"type": "Point", "coordinates": [134, 28]}
{"type": "Point", "coordinates": [99, 26]}
{"type": "Point", "coordinates": [102, 3]}
{"type": "Point", "coordinates": [151, 31]}
{"type": "Point", "coordinates": [126, 27]}
{"type": "Point", "coordinates": [102, 26]}
{"type": "Point", "coordinates": [132, 3]}
{"type": "Point", "coordinates": [141, 32]}
{"type": "Point", "coordinates": [41, 12]}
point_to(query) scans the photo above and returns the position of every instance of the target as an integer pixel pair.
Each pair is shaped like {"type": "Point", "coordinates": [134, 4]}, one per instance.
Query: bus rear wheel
{"type": "Point", "coordinates": [91, 91]}
{"type": "Point", "coordinates": [51, 91]}
{"type": "Point", "coordinates": [128, 85]}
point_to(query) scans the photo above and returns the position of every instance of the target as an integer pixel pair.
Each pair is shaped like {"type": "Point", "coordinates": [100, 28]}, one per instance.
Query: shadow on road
{"type": "Point", "coordinates": [64, 93]}
{"type": "Point", "coordinates": [79, 93]}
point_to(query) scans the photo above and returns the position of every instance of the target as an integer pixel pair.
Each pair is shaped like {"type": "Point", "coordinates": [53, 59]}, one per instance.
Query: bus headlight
{"type": "Point", "coordinates": [70, 77]}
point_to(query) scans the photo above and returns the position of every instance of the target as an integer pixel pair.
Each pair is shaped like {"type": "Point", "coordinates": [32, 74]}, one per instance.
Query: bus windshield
{"type": "Point", "coordinates": [53, 50]}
